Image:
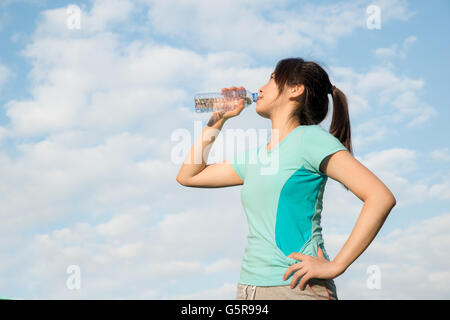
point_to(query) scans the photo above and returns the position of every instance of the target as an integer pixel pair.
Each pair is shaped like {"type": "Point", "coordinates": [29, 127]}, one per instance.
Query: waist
{"type": "Point", "coordinates": [264, 263]}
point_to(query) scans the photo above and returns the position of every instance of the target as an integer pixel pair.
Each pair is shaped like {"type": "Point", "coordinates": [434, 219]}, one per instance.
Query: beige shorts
{"type": "Point", "coordinates": [316, 289]}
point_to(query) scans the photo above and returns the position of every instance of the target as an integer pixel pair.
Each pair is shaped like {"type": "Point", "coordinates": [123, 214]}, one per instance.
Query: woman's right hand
{"type": "Point", "coordinates": [229, 93]}
{"type": "Point", "coordinates": [232, 93]}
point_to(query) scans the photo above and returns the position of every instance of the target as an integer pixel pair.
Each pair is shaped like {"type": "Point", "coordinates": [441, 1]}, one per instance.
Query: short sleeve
{"type": "Point", "coordinates": [239, 163]}
{"type": "Point", "coordinates": [318, 144]}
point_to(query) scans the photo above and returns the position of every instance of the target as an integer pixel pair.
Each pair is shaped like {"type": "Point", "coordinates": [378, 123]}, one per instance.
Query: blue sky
{"type": "Point", "coordinates": [88, 175]}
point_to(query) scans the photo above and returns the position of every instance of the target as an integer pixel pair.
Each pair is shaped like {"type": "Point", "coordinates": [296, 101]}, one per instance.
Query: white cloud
{"type": "Point", "coordinates": [409, 41]}
{"type": "Point", "coordinates": [103, 15]}
{"type": "Point", "coordinates": [222, 265]}
{"type": "Point", "coordinates": [394, 98]}
{"type": "Point", "coordinates": [367, 132]}
{"type": "Point", "coordinates": [396, 50]}
{"type": "Point", "coordinates": [413, 263]}
{"type": "Point", "coordinates": [227, 291]}
{"type": "Point", "coordinates": [105, 12]}
{"type": "Point", "coordinates": [118, 225]}
{"type": "Point", "coordinates": [83, 84]}
{"type": "Point", "coordinates": [400, 161]}
{"type": "Point", "coordinates": [158, 254]}
{"type": "Point", "coordinates": [394, 167]}
{"type": "Point", "coordinates": [441, 190]}
{"type": "Point", "coordinates": [5, 75]}
{"type": "Point", "coordinates": [6, 3]}
{"type": "Point", "coordinates": [263, 27]}
{"type": "Point", "coordinates": [390, 52]}
{"type": "Point", "coordinates": [4, 133]}
{"type": "Point", "coordinates": [59, 180]}
{"type": "Point", "coordinates": [441, 154]}
{"type": "Point", "coordinates": [202, 232]}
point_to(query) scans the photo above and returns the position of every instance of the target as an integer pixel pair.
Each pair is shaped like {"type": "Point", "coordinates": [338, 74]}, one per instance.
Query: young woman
{"type": "Point", "coordinates": [283, 207]}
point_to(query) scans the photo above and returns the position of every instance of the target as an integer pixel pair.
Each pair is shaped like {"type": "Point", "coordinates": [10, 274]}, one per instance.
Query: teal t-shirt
{"type": "Point", "coordinates": [282, 199]}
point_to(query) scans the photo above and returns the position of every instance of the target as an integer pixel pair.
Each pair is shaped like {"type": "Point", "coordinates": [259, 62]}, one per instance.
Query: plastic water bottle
{"type": "Point", "coordinates": [228, 100]}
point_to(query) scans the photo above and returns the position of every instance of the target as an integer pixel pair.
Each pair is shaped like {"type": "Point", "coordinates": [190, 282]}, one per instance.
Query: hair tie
{"type": "Point", "coordinates": [332, 89]}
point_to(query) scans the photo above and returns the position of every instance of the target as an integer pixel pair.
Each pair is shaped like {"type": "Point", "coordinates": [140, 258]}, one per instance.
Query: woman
{"type": "Point", "coordinates": [283, 207]}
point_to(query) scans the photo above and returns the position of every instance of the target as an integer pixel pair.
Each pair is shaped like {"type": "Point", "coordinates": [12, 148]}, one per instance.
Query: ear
{"type": "Point", "coordinates": [296, 91]}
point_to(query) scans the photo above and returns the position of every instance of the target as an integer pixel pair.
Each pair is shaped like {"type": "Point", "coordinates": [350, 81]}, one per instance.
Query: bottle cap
{"type": "Point", "coordinates": [255, 96]}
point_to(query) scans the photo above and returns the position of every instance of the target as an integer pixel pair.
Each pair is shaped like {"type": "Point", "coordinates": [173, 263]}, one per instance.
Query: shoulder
{"type": "Point", "coordinates": [316, 132]}
{"type": "Point", "coordinates": [318, 144]}
{"type": "Point", "coordinates": [316, 128]}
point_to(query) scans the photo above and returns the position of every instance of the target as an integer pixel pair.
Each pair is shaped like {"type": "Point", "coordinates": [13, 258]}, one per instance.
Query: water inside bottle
{"type": "Point", "coordinates": [217, 102]}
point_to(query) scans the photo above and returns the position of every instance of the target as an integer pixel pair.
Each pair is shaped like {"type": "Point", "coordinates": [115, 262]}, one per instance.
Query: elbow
{"type": "Point", "coordinates": [180, 181]}
{"type": "Point", "coordinates": [384, 197]}
{"type": "Point", "coordinates": [183, 182]}
{"type": "Point", "coordinates": [390, 204]}
{"type": "Point", "coordinates": [391, 199]}
{"type": "Point", "coordinates": [394, 201]}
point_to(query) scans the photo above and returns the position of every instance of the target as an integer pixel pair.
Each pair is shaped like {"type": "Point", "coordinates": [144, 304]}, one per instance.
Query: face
{"type": "Point", "coordinates": [267, 99]}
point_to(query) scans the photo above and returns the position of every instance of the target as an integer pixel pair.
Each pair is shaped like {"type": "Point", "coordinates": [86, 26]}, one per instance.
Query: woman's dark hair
{"type": "Point", "coordinates": [313, 102]}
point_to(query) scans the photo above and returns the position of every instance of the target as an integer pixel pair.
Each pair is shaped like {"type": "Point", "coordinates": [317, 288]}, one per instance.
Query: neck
{"type": "Point", "coordinates": [281, 127]}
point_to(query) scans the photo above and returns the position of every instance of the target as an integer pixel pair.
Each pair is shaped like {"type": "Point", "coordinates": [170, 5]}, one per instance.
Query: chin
{"type": "Point", "coordinates": [263, 113]}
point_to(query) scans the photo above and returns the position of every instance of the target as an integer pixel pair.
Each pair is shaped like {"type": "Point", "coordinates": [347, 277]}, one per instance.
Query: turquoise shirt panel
{"type": "Point", "coordinates": [295, 212]}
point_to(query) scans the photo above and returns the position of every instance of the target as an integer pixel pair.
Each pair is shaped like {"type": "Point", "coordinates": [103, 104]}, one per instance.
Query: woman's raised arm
{"type": "Point", "coordinates": [195, 172]}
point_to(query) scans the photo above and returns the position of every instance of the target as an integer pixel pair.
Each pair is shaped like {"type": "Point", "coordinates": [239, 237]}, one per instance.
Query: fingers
{"type": "Point", "coordinates": [305, 268]}
{"type": "Point", "coordinates": [226, 92]}
{"type": "Point", "coordinates": [288, 272]}
{"type": "Point", "coordinates": [241, 91]}
{"type": "Point", "coordinates": [297, 275]}
{"type": "Point", "coordinates": [235, 111]}
{"type": "Point", "coordinates": [291, 269]}
{"type": "Point", "coordinates": [233, 91]}
{"type": "Point", "coordinates": [240, 106]}
{"type": "Point", "coordinates": [298, 256]}
{"type": "Point", "coordinates": [304, 282]}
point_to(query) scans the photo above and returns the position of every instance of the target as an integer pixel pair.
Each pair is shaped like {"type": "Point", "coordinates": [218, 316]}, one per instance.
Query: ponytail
{"type": "Point", "coordinates": [340, 123]}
